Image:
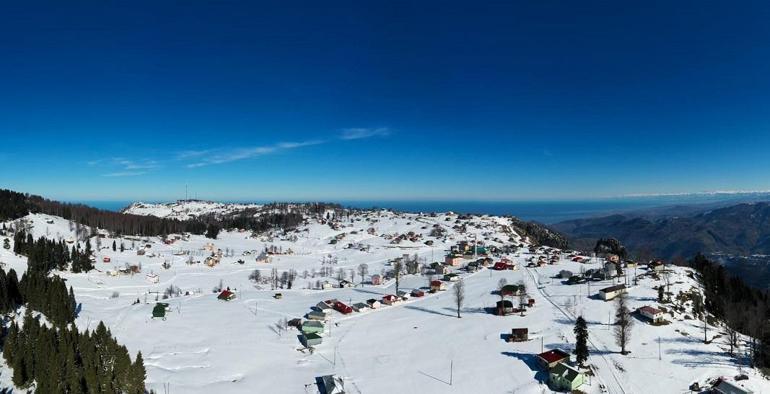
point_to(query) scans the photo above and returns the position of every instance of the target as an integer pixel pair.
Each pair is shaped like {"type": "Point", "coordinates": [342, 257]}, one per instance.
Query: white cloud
{"type": "Point", "coordinates": [359, 133]}
{"type": "Point", "coordinates": [125, 173]}
{"type": "Point", "coordinates": [222, 156]}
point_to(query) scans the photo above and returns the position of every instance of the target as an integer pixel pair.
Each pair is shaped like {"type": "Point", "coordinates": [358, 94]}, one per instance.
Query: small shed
{"type": "Point", "coordinates": [106, 259]}
{"type": "Point", "coordinates": [519, 335]}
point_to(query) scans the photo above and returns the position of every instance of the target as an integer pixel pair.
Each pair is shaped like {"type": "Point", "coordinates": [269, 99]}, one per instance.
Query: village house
{"type": "Point", "coordinates": [656, 266]}
{"type": "Point", "coordinates": [331, 384]}
{"type": "Point", "coordinates": [373, 303]}
{"type": "Point", "coordinates": [312, 327]}
{"type": "Point", "coordinates": [552, 358]}
{"type": "Point", "coordinates": [453, 260]}
{"type": "Point", "coordinates": [451, 277]}
{"type": "Point", "coordinates": [316, 315]}
{"type": "Point", "coordinates": [510, 290]}
{"type": "Point", "coordinates": [437, 285]}
{"type": "Point", "coordinates": [342, 308]}
{"type": "Point", "coordinates": [403, 295]}
{"type": "Point", "coordinates": [226, 295]}
{"type": "Point", "coordinates": [360, 306]}
{"type": "Point", "coordinates": [653, 314]}
{"type": "Point", "coordinates": [391, 299]}
{"type": "Point", "coordinates": [565, 377]}
{"type": "Point", "coordinates": [325, 305]}
{"type": "Point", "coordinates": [727, 387]}
{"type": "Point", "coordinates": [611, 292]}
{"type": "Point", "coordinates": [418, 293]}
{"type": "Point", "coordinates": [345, 284]}
{"type": "Point", "coordinates": [152, 278]}
{"type": "Point", "coordinates": [504, 307]}
{"type": "Point", "coordinates": [311, 339]}
{"type": "Point", "coordinates": [519, 335]}
{"type": "Point", "coordinates": [376, 280]}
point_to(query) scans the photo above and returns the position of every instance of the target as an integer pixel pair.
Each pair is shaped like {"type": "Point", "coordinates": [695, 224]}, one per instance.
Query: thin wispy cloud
{"type": "Point", "coordinates": [124, 173]}
{"type": "Point", "coordinates": [222, 156]}
{"type": "Point", "coordinates": [360, 133]}
{"type": "Point", "coordinates": [120, 166]}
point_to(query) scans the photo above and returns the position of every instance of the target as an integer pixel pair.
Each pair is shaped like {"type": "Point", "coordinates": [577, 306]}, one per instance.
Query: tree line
{"type": "Point", "coordinates": [62, 360]}
{"type": "Point", "coordinates": [742, 308]}
{"type": "Point", "coordinates": [44, 254]}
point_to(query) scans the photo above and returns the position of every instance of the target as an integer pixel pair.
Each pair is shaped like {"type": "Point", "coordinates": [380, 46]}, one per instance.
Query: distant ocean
{"type": "Point", "coordinates": [547, 212]}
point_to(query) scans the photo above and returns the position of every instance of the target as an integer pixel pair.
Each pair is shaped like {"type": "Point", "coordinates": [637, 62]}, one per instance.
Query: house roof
{"type": "Point", "coordinates": [565, 371]}
{"type": "Point", "coordinates": [225, 294]}
{"type": "Point", "coordinates": [613, 288]}
{"type": "Point", "coordinates": [649, 310]}
{"type": "Point", "coordinates": [554, 355]}
{"type": "Point", "coordinates": [731, 388]}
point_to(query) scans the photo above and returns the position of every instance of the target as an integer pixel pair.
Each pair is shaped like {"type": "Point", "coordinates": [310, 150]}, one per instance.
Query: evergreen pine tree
{"type": "Point", "coordinates": [581, 338]}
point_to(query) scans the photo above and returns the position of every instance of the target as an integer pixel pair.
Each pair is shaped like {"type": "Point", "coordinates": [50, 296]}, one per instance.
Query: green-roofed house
{"type": "Point", "coordinates": [565, 377]}
{"type": "Point", "coordinates": [159, 311]}
{"type": "Point", "coordinates": [312, 327]}
{"type": "Point", "coordinates": [311, 339]}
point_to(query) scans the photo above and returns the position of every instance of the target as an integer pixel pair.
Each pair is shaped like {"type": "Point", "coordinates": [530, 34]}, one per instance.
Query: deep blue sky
{"type": "Point", "coordinates": [383, 100]}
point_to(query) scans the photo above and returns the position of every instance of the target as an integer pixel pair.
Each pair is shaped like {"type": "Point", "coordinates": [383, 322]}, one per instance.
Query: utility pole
{"type": "Point", "coordinates": [451, 371]}
{"type": "Point", "coordinates": [660, 357]}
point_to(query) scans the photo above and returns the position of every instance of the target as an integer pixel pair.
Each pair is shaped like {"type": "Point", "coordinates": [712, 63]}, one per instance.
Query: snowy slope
{"type": "Point", "coordinates": [185, 209]}
{"type": "Point", "coordinates": [206, 345]}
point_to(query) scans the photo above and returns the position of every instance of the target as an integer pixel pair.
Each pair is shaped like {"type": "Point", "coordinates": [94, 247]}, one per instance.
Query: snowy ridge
{"type": "Point", "coordinates": [186, 209]}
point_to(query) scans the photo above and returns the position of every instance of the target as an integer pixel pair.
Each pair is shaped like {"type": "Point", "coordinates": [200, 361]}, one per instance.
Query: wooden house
{"type": "Point", "coordinates": [519, 335]}
{"type": "Point", "coordinates": [504, 307]}
{"type": "Point", "coordinates": [437, 285]}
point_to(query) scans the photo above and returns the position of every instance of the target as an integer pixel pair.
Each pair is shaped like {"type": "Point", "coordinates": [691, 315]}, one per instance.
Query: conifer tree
{"type": "Point", "coordinates": [581, 337]}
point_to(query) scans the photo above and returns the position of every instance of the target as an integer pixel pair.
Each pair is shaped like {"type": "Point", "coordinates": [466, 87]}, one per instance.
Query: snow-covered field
{"type": "Point", "coordinates": [419, 346]}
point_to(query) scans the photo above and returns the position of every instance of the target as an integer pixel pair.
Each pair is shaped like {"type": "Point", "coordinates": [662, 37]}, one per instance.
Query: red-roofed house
{"type": "Point", "coordinates": [226, 295]}
{"type": "Point", "coordinates": [553, 357]}
{"type": "Point", "coordinates": [655, 315]}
